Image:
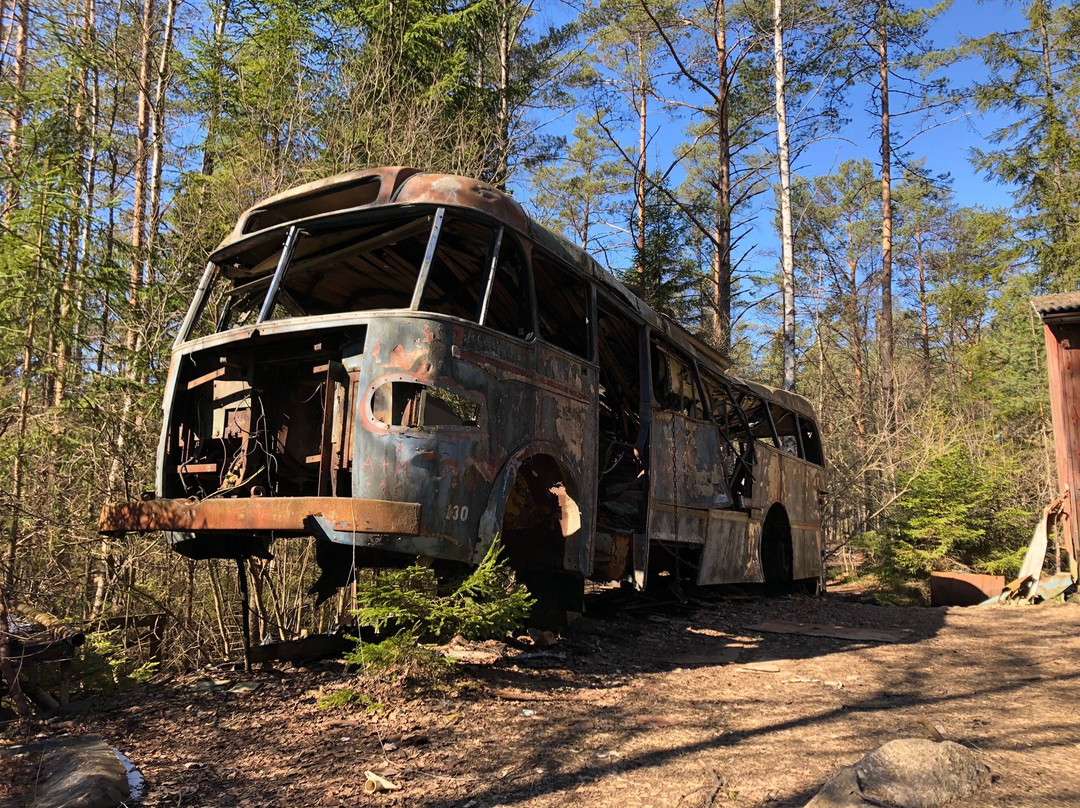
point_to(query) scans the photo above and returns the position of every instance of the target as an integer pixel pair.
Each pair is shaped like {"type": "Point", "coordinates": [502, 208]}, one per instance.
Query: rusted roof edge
{"type": "Point", "coordinates": [395, 177]}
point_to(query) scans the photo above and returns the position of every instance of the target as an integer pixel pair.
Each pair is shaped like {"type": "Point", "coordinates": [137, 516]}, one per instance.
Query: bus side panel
{"type": "Point", "coordinates": [683, 525]}
{"type": "Point", "coordinates": [447, 470]}
{"type": "Point", "coordinates": [685, 463]}
{"type": "Point", "coordinates": [802, 482]}
{"type": "Point", "coordinates": [729, 556]}
{"type": "Point", "coordinates": [768, 480]}
{"type": "Point", "coordinates": [685, 480]}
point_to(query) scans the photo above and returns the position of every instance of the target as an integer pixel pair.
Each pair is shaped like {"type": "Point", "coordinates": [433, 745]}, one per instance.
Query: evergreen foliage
{"type": "Point", "coordinates": [486, 605]}
{"type": "Point", "coordinates": [1034, 74]}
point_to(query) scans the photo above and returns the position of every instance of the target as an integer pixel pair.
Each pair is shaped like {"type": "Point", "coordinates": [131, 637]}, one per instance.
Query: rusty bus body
{"type": "Point", "coordinates": [404, 366]}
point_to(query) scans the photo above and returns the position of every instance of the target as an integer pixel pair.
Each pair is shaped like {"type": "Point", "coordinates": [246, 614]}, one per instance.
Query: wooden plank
{"type": "Point", "coordinates": [833, 632]}
{"type": "Point", "coordinates": [207, 377]}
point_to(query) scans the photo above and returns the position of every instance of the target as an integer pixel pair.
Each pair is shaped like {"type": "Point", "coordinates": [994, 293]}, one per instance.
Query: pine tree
{"type": "Point", "coordinates": [1034, 74]}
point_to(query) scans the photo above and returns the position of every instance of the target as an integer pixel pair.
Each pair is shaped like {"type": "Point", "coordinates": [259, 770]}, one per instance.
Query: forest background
{"type": "Point", "coordinates": [670, 139]}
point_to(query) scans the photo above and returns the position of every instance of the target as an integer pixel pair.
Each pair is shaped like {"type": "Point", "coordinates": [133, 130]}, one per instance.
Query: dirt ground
{"type": "Point", "coordinates": [681, 707]}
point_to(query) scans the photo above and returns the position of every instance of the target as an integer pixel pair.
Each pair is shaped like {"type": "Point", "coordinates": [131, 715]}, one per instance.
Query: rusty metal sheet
{"type": "Point", "coordinates": [769, 483]}
{"type": "Point", "coordinates": [283, 514]}
{"type": "Point", "coordinates": [678, 525]}
{"type": "Point", "coordinates": [447, 189]}
{"type": "Point", "coordinates": [729, 555]}
{"type": "Point", "coordinates": [803, 483]}
{"type": "Point", "coordinates": [1050, 586]}
{"type": "Point", "coordinates": [834, 632]}
{"type": "Point", "coordinates": [963, 589]}
{"type": "Point", "coordinates": [685, 458]}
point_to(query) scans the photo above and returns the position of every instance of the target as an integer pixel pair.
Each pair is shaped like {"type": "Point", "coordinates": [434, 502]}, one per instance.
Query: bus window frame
{"type": "Point", "coordinates": [506, 236]}
{"type": "Point", "coordinates": [723, 382]}
{"type": "Point", "coordinates": [820, 450]}
{"type": "Point", "coordinates": [763, 439]}
{"type": "Point", "coordinates": [665, 346]}
{"type": "Point", "coordinates": [799, 452]}
{"type": "Point", "coordinates": [590, 303]}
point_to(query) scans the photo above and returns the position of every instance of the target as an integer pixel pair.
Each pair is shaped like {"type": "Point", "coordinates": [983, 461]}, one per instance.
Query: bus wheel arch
{"type": "Point", "coordinates": [535, 512]}
{"type": "Point", "coordinates": [777, 548]}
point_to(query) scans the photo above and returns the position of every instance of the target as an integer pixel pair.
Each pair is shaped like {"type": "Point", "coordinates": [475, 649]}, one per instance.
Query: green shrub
{"type": "Point", "coordinates": [348, 697]}
{"type": "Point", "coordinates": [401, 656]}
{"type": "Point", "coordinates": [487, 605]}
{"type": "Point", "coordinates": [951, 514]}
{"type": "Point", "coordinates": [407, 605]}
{"type": "Point", "coordinates": [107, 662]}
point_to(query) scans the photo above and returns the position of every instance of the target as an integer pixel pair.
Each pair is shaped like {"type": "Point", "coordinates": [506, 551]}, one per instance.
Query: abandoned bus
{"type": "Point", "coordinates": [404, 366]}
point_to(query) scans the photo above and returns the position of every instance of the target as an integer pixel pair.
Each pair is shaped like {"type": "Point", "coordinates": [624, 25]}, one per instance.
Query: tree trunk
{"type": "Point", "coordinates": [787, 235]}
{"type": "Point", "coordinates": [21, 23]}
{"type": "Point", "coordinates": [142, 151]}
{"type": "Point", "coordinates": [8, 671]}
{"type": "Point", "coordinates": [641, 169]}
{"type": "Point", "coordinates": [208, 155]}
{"type": "Point", "coordinates": [135, 282]}
{"type": "Point", "coordinates": [20, 460]}
{"type": "Point", "coordinates": [158, 130]}
{"type": "Point", "coordinates": [722, 260]}
{"type": "Point", "coordinates": [885, 324]}
{"type": "Point", "coordinates": [924, 310]}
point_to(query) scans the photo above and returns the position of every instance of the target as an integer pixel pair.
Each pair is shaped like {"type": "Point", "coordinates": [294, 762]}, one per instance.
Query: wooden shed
{"type": "Point", "coordinates": [1061, 327]}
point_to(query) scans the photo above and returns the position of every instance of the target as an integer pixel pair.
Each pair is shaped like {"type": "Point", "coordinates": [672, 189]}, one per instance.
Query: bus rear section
{"type": "Point", "coordinates": [711, 479]}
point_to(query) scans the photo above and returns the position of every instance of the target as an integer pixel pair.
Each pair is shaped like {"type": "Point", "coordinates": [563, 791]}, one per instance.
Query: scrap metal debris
{"type": "Point", "coordinates": [963, 588]}
{"type": "Point", "coordinates": [835, 632]}
{"type": "Point", "coordinates": [376, 783]}
{"type": "Point", "coordinates": [1030, 586]}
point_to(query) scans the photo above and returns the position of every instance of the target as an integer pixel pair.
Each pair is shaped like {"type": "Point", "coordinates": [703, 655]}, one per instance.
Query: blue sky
{"type": "Point", "coordinates": [945, 143]}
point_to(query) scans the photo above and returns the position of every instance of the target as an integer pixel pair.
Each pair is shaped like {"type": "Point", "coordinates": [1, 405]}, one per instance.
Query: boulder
{"type": "Point", "coordinates": [81, 773]}
{"type": "Point", "coordinates": [906, 773]}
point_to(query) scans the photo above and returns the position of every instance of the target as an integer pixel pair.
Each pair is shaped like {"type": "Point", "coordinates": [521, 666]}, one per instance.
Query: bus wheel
{"type": "Point", "coordinates": [776, 551]}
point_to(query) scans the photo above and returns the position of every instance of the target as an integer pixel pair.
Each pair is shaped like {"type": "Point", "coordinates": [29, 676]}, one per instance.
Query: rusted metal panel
{"type": "Point", "coordinates": [796, 485]}
{"type": "Point", "coordinates": [855, 633]}
{"type": "Point", "coordinates": [679, 525]}
{"type": "Point", "coordinates": [806, 560]}
{"type": "Point", "coordinates": [804, 484]}
{"type": "Point", "coordinates": [963, 589]}
{"type": "Point", "coordinates": [769, 483]}
{"type": "Point", "coordinates": [728, 555]}
{"type": "Point", "coordinates": [279, 514]}
{"type": "Point", "coordinates": [686, 470]}
{"type": "Point", "coordinates": [463, 192]}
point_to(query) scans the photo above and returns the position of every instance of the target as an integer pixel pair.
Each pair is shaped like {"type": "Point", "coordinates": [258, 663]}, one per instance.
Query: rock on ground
{"type": "Point", "coordinates": [82, 773]}
{"type": "Point", "coordinates": [906, 773]}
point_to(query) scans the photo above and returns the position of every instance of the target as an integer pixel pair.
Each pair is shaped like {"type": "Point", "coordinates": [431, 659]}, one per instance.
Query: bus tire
{"type": "Point", "coordinates": [777, 551]}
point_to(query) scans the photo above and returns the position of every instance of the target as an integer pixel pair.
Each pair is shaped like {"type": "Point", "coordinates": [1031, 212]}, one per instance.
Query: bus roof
{"type": "Point", "coordinates": [400, 185]}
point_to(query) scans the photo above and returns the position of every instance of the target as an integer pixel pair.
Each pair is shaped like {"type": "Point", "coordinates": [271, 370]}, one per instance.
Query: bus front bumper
{"type": "Point", "coordinates": [282, 516]}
